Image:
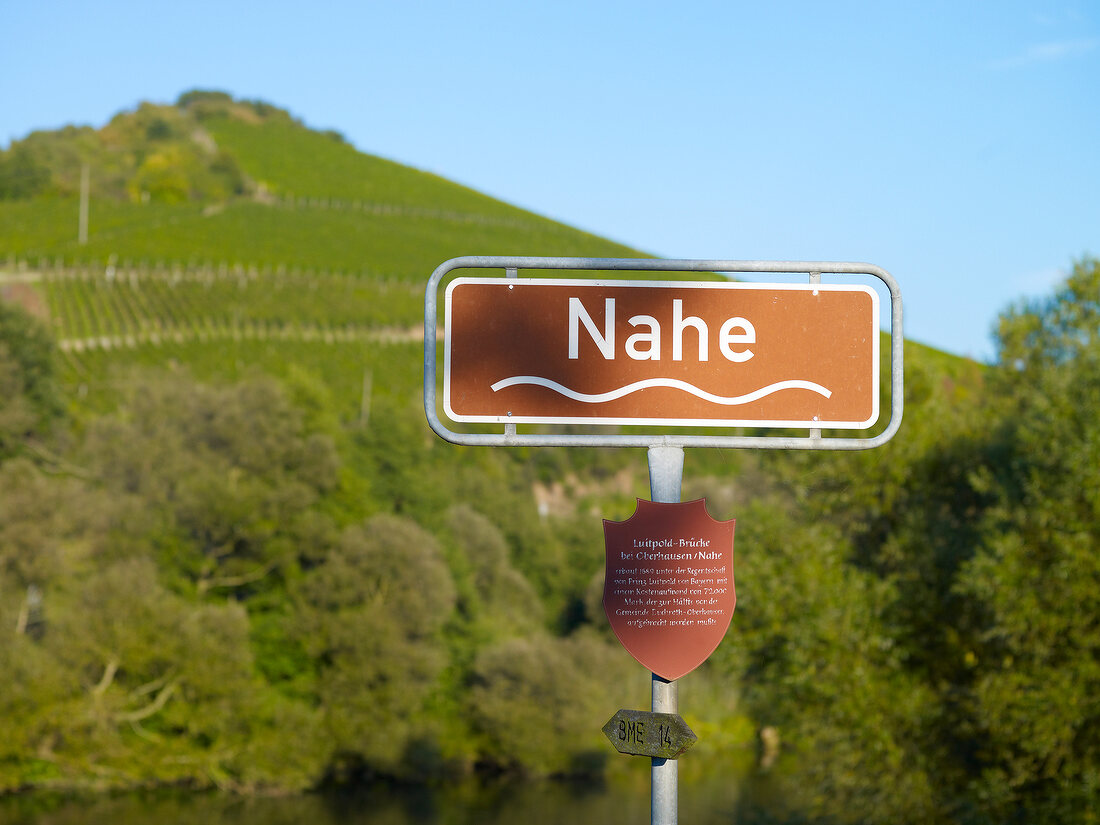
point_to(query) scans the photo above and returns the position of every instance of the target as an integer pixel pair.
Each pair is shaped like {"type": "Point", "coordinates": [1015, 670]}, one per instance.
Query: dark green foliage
{"type": "Point", "coordinates": [977, 530]}
{"type": "Point", "coordinates": [540, 702]}
{"type": "Point", "coordinates": [231, 474]}
{"type": "Point", "coordinates": [1035, 578]}
{"type": "Point", "coordinates": [497, 593]}
{"type": "Point", "coordinates": [813, 642]}
{"type": "Point", "coordinates": [196, 97]}
{"type": "Point", "coordinates": [156, 153]}
{"type": "Point", "coordinates": [30, 398]}
{"type": "Point", "coordinates": [371, 617]}
{"type": "Point", "coordinates": [22, 175]}
{"type": "Point", "coordinates": [143, 672]}
{"type": "Point", "coordinates": [118, 666]}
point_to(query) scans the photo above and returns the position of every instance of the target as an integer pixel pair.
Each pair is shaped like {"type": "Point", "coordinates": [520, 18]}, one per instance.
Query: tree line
{"type": "Point", "coordinates": [224, 584]}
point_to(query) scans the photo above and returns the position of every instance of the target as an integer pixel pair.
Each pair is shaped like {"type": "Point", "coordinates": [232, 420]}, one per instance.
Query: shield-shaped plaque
{"type": "Point", "coordinates": [668, 586]}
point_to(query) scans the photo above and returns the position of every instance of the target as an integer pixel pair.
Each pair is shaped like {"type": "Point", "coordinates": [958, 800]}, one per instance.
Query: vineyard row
{"type": "Point", "coordinates": [291, 201]}
{"type": "Point", "coordinates": [41, 269]}
{"type": "Point", "coordinates": [209, 331]}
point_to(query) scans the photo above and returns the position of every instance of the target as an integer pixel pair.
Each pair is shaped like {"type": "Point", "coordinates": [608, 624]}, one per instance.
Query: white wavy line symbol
{"type": "Point", "coordinates": [671, 383]}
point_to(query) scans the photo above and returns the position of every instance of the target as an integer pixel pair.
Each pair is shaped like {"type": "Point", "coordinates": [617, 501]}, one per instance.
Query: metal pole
{"type": "Point", "coordinates": [82, 223]}
{"type": "Point", "coordinates": [666, 475]}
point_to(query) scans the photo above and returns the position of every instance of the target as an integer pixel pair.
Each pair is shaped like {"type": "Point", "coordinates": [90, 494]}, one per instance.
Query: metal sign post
{"type": "Point", "coordinates": [655, 355]}
{"type": "Point", "coordinates": [666, 476]}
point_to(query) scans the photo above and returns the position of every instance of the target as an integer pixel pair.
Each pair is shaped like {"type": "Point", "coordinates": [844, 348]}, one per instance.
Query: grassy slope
{"type": "Point", "coordinates": [330, 207]}
{"type": "Point", "coordinates": [289, 158]}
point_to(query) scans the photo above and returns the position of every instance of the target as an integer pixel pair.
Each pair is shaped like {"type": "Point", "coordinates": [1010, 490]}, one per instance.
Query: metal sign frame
{"type": "Point", "coordinates": [510, 438]}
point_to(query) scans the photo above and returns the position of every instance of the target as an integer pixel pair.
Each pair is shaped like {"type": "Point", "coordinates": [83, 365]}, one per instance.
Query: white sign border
{"type": "Point", "coordinates": [874, 334]}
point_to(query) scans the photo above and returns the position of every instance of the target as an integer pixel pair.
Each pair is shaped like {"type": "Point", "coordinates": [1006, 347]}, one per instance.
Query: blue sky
{"type": "Point", "coordinates": [955, 144]}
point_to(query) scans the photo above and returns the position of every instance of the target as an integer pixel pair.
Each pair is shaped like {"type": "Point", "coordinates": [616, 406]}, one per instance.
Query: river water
{"type": "Point", "coordinates": [706, 802]}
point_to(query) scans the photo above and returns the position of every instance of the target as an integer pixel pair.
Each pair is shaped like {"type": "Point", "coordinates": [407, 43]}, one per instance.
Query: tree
{"type": "Point", "coordinates": [496, 594]}
{"type": "Point", "coordinates": [123, 659]}
{"type": "Point", "coordinates": [813, 645]}
{"type": "Point", "coordinates": [538, 702]}
{"type": "Point", "coordinates": [1036, 576]}
{"type": "Point", "coordinates": [30, 401]}
{"type": "Point", "coordinates": [371, 616]}
{"type": "Point", "coordinates": [22, 175]}
{"type": "Point", "coordinates": [164, 683]}
{"type": "Point", "coordinates": [228, 476]}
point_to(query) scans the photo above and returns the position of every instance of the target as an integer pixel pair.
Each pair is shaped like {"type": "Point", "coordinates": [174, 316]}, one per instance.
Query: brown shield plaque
{"type": "Point", "coordinates": [668, 586]}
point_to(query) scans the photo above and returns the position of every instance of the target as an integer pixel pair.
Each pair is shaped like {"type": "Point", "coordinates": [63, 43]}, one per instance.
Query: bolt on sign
{"type": "Point", "coordinates": [536, 350]}
{"type": "Point", "coordinates": [668, 584]}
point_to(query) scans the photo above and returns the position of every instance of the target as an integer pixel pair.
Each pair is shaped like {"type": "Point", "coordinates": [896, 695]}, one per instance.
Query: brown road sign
{"type": "Point", "coordinates": [645, 733]}
{"type": "Point", "coordinates": [531, 350]}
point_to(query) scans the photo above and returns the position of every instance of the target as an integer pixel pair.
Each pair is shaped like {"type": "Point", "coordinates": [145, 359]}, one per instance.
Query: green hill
{"type": "Point", "coordinates": [234, 555]}
{"type": "Point", "coordinates": [291, 197]}
{"type": "Point", "coordinates": [215, 224]}
{"type": "Point", "coordinates": [225, 233]}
